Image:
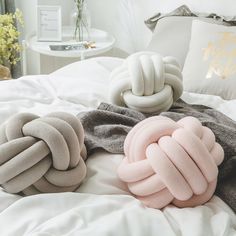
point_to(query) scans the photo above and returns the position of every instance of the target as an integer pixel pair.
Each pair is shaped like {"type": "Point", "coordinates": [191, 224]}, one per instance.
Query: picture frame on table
{"type": "Point", "coordinates": [49, 23]}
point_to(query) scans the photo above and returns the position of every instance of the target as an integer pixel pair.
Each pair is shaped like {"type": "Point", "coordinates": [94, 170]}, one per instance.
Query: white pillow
{"type": "Point", "coordinates": [172, 34]}
{"type": "Point", "coordinates": [171, 37]}
{"type": "Point", "coordinates": [210, 66]}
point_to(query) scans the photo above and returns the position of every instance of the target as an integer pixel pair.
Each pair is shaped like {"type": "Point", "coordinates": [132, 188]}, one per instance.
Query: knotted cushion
{"type": "Point", "coordinates": [42, 154]}
{"type": "Point", "coordinates": [171, 162]}
{"type": "Point", "coordinates": [146, 82]}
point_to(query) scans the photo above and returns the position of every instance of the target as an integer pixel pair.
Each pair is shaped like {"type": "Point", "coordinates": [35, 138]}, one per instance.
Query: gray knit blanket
{"type": "Point", "coordinates": [106, 128]}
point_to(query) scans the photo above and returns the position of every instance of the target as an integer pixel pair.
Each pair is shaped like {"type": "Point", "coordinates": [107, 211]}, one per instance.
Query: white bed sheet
{"type": "Point", "coordinates": [102, 205]}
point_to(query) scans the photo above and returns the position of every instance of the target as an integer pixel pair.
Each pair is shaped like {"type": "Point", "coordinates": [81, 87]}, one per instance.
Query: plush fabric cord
{"type": "Point", "coordinates": [42, 154]}
{"type": "Point", "coordinates": [171, 162]}
{"type": "Point", "coordinates": [146, 82]}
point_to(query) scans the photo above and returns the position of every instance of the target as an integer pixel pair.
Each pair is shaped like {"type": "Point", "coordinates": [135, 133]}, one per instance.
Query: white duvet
{"type": "Point", "coordinates": [102, 205]}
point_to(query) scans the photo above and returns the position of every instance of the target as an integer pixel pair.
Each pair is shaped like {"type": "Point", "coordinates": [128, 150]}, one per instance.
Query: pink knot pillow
{"type": "Point", "coordinates": [171, 162]}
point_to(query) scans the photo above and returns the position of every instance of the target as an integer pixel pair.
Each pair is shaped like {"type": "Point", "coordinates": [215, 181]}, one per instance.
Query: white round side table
{"type": "Point", "coordinates": [103, 42]}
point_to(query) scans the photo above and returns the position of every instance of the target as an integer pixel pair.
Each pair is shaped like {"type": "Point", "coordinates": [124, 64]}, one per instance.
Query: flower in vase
{"type": "Point", "coordinates": [82, 22]}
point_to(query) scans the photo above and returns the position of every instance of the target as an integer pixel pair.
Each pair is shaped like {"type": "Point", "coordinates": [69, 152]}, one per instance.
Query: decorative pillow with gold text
{"type": "Point", "coordinates": [210, 65]}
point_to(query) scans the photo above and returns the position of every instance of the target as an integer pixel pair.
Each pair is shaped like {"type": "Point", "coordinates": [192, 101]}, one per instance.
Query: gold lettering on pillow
{"type": "Point", "coordinates": [221, 55]}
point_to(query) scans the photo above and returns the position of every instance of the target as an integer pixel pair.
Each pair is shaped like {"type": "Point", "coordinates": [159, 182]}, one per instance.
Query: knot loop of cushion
{"type": "Point", "coordinates": [171, 162]}
{"type": "Point", "coordinates": [42, 154]}
{"type": "Point", "coordinates": [146, 82]}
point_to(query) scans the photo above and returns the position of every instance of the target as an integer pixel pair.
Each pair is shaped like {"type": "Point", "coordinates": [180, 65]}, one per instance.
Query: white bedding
{"type": "Point", "coordinates": [102, 205]}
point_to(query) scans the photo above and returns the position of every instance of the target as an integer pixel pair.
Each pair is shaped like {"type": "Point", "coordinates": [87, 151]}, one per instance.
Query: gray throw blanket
{"type": "Point", "coordinates": [106, 128]}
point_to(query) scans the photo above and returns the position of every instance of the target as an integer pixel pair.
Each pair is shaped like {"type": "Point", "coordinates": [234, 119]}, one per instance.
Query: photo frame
{"type": "Point", "coordinates": [49, 23]}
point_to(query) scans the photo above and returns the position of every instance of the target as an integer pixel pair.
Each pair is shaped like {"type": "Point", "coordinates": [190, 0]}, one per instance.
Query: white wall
{"type": "Point", "coordinates": [104, 14]}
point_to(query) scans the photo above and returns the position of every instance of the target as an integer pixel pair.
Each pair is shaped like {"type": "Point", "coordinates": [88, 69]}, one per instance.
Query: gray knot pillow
{"type": "Point", "coordinates": [42, 155]}
{"type": "Point", "coordinates": [146, 82]}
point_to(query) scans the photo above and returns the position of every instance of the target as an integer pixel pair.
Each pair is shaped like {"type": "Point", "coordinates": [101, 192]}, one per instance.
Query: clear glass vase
{"type": "Point", "coordinates": [82, 23]}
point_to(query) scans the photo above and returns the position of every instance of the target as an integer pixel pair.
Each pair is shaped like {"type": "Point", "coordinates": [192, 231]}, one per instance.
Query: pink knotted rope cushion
{"type": "Point", "coordinates": [171, 162]}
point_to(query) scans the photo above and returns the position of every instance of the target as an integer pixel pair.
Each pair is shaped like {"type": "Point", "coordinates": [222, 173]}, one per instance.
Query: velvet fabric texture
{"type": "Point", "coordinates": [42, 155]}
{"type": "Point", "coordinates": [146, 82]}
{"type": "Point", "coordinates": [171, 162]}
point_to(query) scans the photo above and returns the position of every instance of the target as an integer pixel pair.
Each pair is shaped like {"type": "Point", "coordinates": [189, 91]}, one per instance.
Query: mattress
{"type": "Point", "coordinates": [102, 205]}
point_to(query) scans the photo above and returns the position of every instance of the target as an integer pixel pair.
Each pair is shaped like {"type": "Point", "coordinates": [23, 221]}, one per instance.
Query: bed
{"type": "Point", "coordinates": [102, 205]}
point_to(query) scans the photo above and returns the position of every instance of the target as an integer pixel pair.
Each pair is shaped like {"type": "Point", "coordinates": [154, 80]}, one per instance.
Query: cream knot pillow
{"type": "Point", "coordinates": [42, 154]}
{"type": "Point", "coordinates": [146, 82]}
